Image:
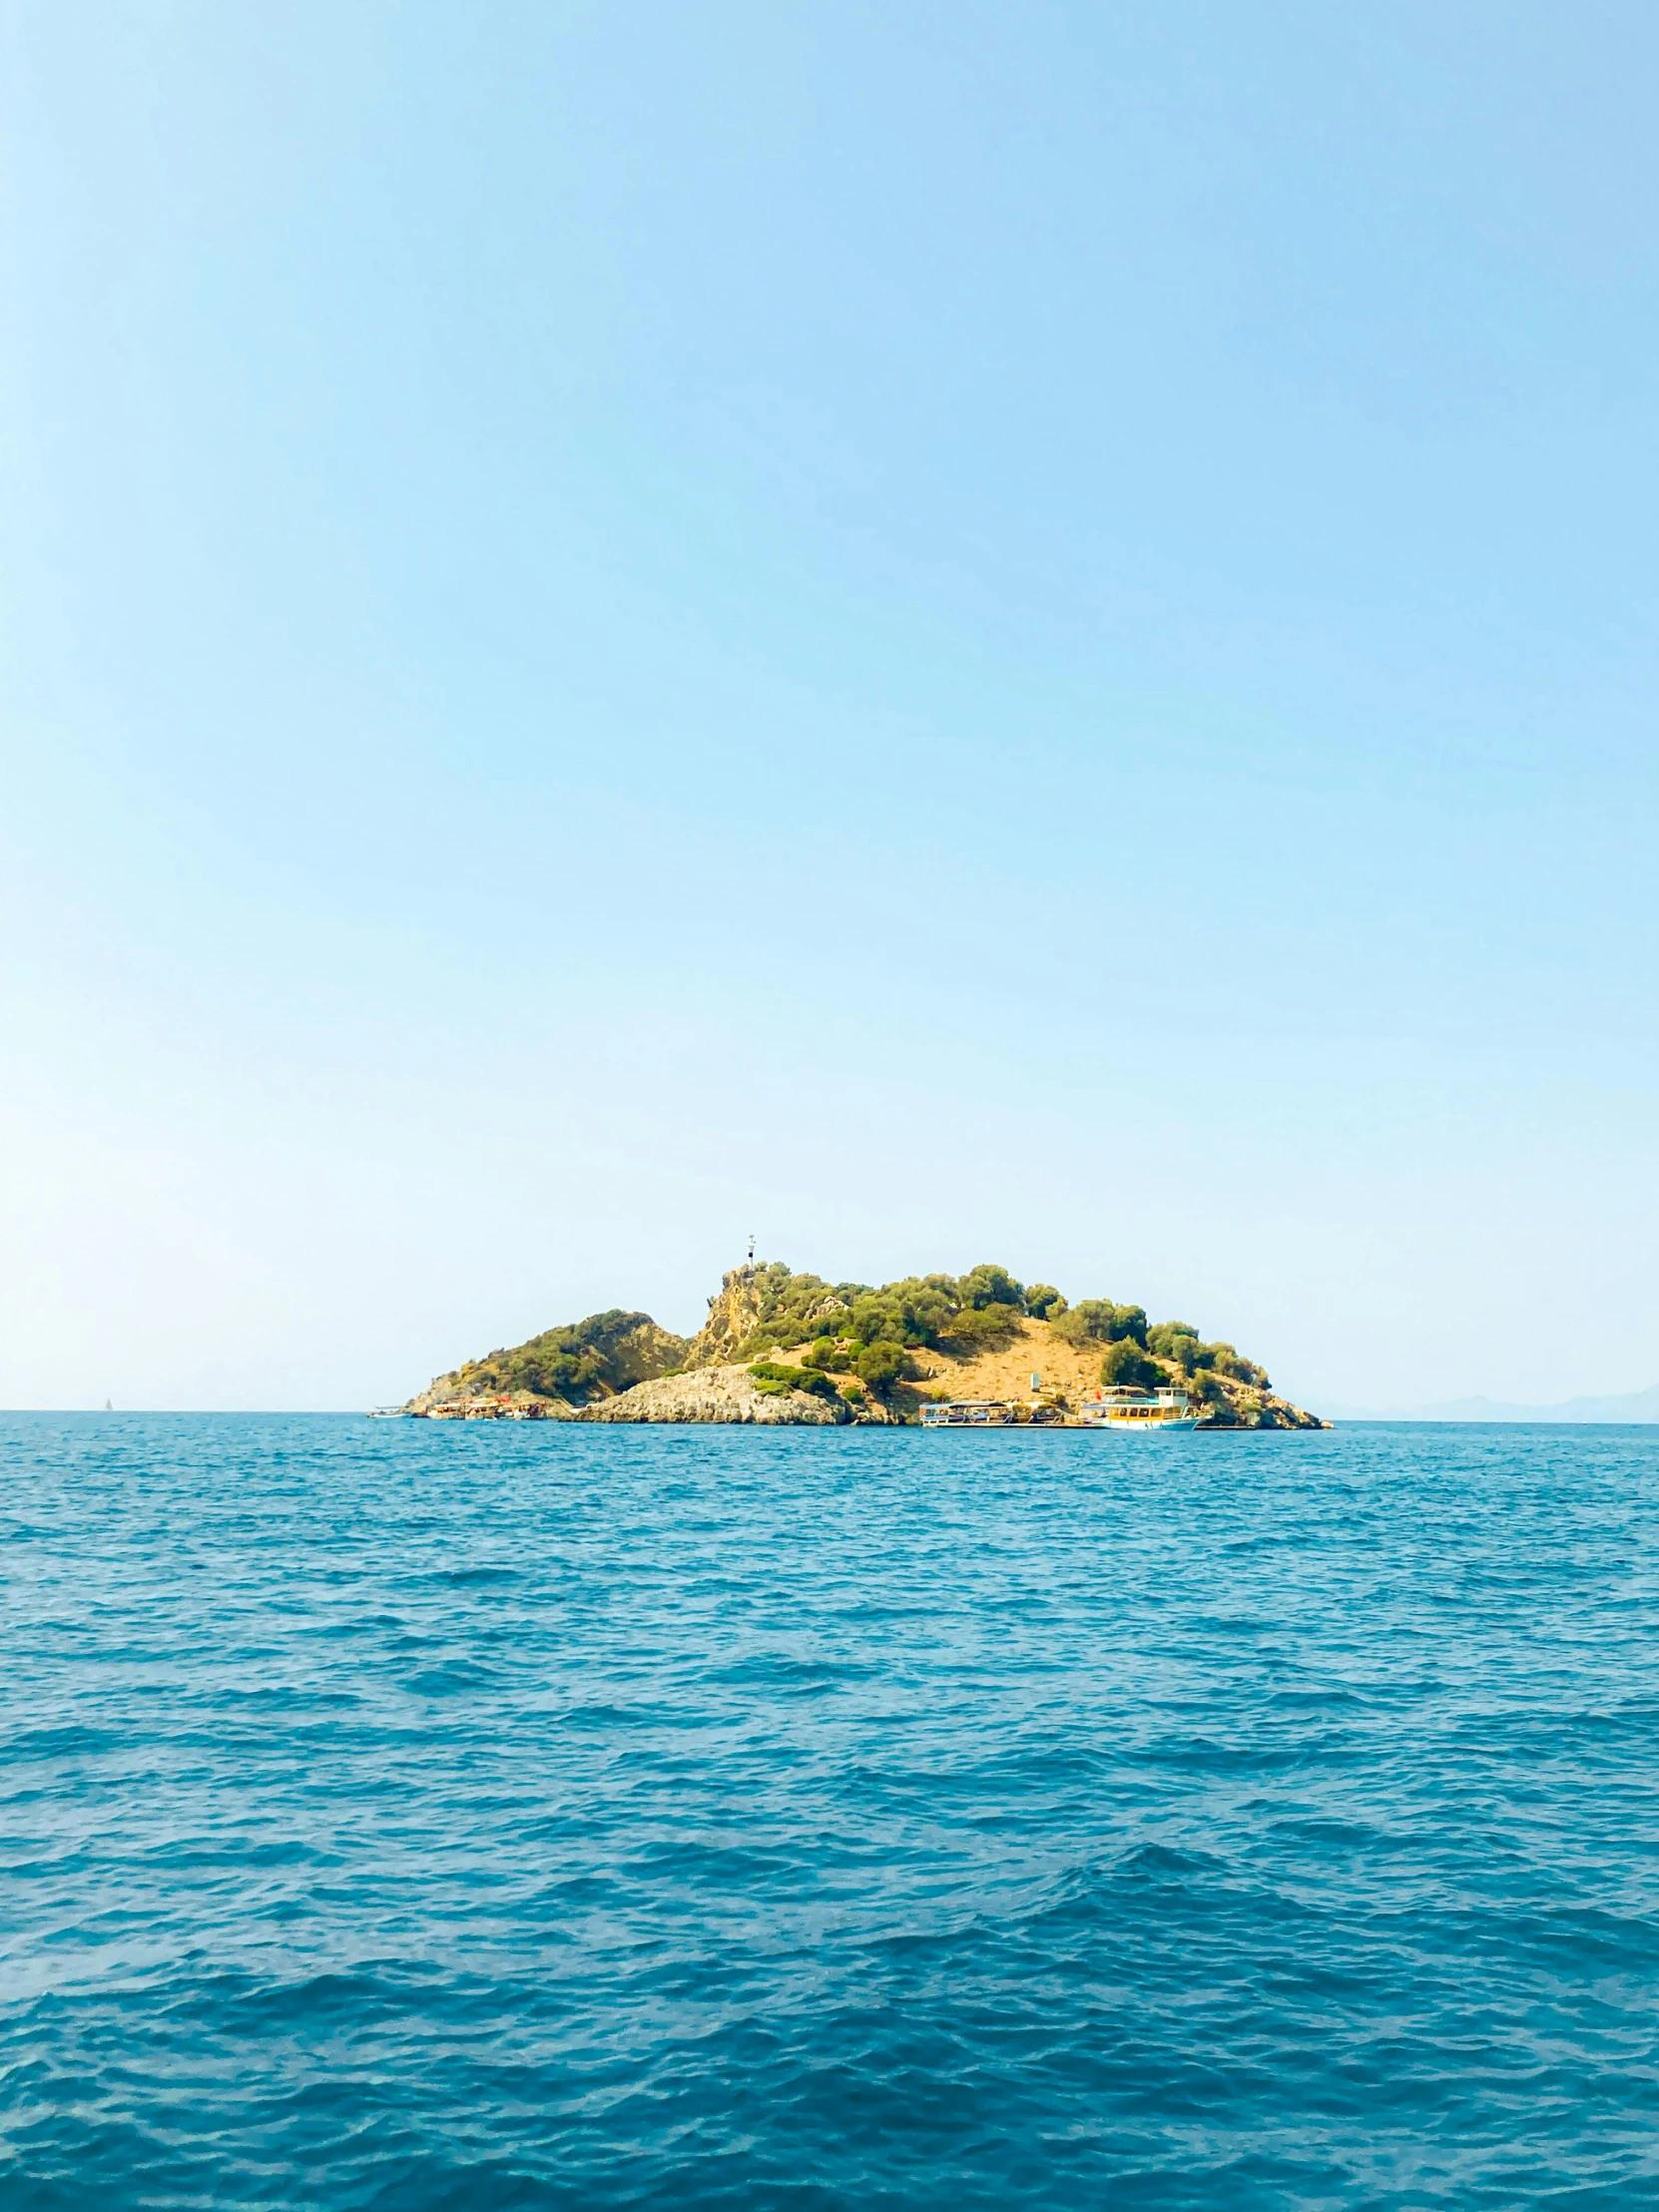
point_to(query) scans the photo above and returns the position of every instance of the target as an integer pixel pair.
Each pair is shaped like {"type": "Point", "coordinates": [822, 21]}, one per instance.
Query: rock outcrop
{"type": "Point", "coordinates": [733, 1313]}
{"type": "Point", "coordinates": [1244, 1406]}
{"type": "Point", "coordinates": [723, 1393]}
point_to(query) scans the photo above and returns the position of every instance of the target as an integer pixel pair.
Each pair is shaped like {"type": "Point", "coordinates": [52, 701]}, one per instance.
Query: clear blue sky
{"type": "Point", "coordinates": [942, 632]}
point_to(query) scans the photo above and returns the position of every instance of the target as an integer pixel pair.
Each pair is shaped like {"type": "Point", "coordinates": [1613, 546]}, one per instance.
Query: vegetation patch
{"type": "Point", "coordinates": [775, 1380]}
{"type": "Point", "coordinates": [589, 1359]}
{"type": "Point", "coordinates": [870, 1332]}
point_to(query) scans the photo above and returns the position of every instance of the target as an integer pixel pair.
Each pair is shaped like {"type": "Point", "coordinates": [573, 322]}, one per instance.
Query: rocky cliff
{"type": "Point", "coordinates": [733, 1311]}
{"type": "Point", "coordinates": [748, 1303]}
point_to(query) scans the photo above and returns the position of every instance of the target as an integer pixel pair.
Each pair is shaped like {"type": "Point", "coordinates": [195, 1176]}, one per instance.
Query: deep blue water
{"type": "Point", "coordinates": [412, 1816]}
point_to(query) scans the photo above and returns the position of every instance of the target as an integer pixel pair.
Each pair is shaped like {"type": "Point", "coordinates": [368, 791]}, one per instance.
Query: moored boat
{"type": "Point", "coordinates": [1138, 1412]}
{"type": "Point", "coordinates": [975, 1412]}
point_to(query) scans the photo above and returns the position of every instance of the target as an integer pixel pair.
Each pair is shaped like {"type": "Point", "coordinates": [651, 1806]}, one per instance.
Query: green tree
{"type": "Point", "coordinates": [1176, 1342]}
{"type": "Point", "coordinates": [1098, 1320]}
{"type": "Point", "coordinates": [879, 1366]}
{"type": "Point", "coordinates": [986, 1285]}
{"type": "Point", "coordinates": [1129, 1325]}
{"type": "Point", "coordinates": [1127, 1368]}
{"type": "Point", "coordinates": [1043, 1302]}
{"type": "Point", "coordinates": [1226, 1360]}
{"type": "Point", "coordinates": [917, 1310]}
{"type": "Point", "coordinates": [1083, 1323]}
{"type": "Point", "coordinates": [877, 1318]}
{"type": "Point", "coordinates": [983, 1328]}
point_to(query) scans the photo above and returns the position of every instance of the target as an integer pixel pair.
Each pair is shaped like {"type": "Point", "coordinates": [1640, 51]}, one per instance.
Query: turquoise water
{"type": "Point", "coordinates": [410, 1815]}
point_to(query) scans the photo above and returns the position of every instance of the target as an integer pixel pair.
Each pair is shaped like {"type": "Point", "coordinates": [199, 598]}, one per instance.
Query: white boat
{"type": "Point", "coordinates": [983, 1413]}
{"type": "Point", "coordinates": [1140, 1411]}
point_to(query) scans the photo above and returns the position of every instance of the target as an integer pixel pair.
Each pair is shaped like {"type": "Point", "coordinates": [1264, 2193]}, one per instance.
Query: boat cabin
{"type": "Point", "coordinates": [989, 1413]}
{"type": "Point", "coordinates": [1117, 1406]}
{"type": "Point", "coordinates": [967, 1412]}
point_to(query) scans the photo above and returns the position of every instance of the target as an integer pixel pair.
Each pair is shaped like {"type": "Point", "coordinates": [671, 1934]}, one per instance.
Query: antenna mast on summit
{"type": "Point", "coordinates": [751, 1248]}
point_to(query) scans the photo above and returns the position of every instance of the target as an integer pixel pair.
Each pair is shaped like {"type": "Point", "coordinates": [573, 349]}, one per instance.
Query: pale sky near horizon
{"type": "Point", "coordinates": [942, 633]}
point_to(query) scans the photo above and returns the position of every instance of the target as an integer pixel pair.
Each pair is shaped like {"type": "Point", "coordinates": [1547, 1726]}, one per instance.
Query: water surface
{"type": "Point", "coordinates": [410, 1815]}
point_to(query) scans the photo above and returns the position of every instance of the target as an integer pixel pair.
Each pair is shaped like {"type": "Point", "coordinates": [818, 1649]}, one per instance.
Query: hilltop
{"type": "Point", "coordinates": [856, 1353]}
{"type": "Point", "coordinates": [566, 1368]}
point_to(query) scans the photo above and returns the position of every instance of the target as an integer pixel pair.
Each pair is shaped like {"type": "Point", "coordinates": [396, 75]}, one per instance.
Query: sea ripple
{"type": "Point", "coordinates": [418, 1817]}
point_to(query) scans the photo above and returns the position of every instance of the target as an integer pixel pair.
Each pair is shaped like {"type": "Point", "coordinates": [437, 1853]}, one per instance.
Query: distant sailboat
{"type": "Point", "coordinates": [107, 1408]}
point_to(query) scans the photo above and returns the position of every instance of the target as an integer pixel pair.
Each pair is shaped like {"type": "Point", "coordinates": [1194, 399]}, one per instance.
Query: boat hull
{"type": "Point", "coordinates": [1051, 1427]}
{"type": "Point", "coordinates": [1141, 1428]}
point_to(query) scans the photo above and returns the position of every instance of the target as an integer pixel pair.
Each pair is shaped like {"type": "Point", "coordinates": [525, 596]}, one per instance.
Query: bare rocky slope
{"type": "Point", "coordinates": [716, 1395]}
{"type": "Point", "coordinates": [784, 1349]}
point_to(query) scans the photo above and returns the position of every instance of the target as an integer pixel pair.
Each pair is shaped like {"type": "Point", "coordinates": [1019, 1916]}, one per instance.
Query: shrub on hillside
{"type": "Point", "coordinates": [793, 1308]}
{"type": "Point", "coordinates": [1227, 1361]}
{"type": "Point", "coordinates": [828, 1357]}
{"type": "Point", "coordinates": [1127, 1368]}
{"type": "Point", "coordinates": [564, 1362]}
{"type": "Point", "coordinates": [838, 1324]}
{"type": "Point", "coordinates": [774, 1379]}
{"type": "Point", "coordinates": [983, 1328]}
{"type": "Point", "coordinates": [1098, 1320]}
{"type": "Point", "coordinates": [1176, 1341]}
{"type": "Point", "coordinates": [1179, 1343]}
{"type": "Point", "coordinates": [879, 1366]}
{"type": "Point", "coordinates": [991, 1286]}
{"type": "Point", "coordinates": [915, 1311]}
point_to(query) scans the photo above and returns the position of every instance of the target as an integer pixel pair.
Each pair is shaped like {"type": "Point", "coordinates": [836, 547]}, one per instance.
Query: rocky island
{"type": "Point", "coordinates": [779, 1347]}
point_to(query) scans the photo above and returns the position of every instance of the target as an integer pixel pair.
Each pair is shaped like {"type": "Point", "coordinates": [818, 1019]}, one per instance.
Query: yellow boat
{"type": "Point", "coordinates": [1138, 1411]}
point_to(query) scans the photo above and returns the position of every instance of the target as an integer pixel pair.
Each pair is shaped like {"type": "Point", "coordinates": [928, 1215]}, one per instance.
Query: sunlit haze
{"type": "Point", "coordinates": [991, 632]}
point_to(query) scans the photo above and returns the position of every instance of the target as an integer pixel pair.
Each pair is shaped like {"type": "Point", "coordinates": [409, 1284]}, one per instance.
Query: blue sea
{"type": "Point", "coordinates": [412, 1816]}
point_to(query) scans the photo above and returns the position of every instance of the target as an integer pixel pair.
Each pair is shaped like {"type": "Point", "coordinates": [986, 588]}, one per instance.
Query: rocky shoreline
{"type": "Point", "coordinates": [718, 1395]}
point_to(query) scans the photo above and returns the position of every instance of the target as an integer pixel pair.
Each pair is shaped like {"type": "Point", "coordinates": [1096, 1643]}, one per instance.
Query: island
{"type": "Point", "coordinates": [784, 1347]}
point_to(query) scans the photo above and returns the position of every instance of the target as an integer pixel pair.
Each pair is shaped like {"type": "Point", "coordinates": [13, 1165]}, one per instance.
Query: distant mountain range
{"type": "Point", "coordinates": [1633, 1406]}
